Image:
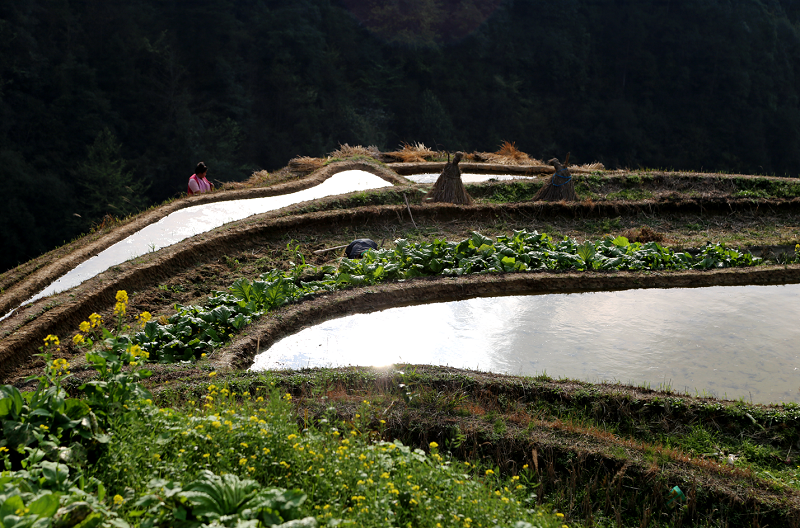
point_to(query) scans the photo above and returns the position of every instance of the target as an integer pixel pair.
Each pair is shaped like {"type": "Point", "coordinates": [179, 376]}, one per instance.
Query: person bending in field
{"type": "Point", "coordinates": [198, 182]}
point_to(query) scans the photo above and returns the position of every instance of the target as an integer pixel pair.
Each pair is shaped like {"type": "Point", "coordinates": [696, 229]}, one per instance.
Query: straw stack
{"type": "Point", "coordinates": [559, 187]}
{"type": "Point", "coordinates": [449, 187]}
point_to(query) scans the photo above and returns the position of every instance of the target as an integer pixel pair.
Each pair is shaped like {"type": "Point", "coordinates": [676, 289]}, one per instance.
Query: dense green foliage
{"type": "Point", "coordinates": [225, 461]}
{"type": "Point", "coordinates": [93, 93]}
{"type": "Point", "coordinates": [194, 330]}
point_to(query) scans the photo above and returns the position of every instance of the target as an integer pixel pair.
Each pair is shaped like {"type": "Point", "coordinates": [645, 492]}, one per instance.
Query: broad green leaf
{"type": "Point", "coordinates": [10, 401]}
{"type": "Point", "coordinates": [45, 506]}
{"type": "Point", "coordinates": [621, 241]}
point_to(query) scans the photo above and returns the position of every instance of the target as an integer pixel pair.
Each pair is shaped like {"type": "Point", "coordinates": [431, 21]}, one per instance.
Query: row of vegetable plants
{"type": "Point", "coordinates": [106, 456]}
{"type": "Point", "coordinates": [195, 330]}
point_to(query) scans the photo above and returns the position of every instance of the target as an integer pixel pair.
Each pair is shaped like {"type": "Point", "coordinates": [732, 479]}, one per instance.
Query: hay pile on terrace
{"type": "Point", "coordinates": [559, 187]}
{"type": "Point", "coordinates": [508, 154]}
{"type": "Point", "coordinates": [448, 187]}
{"type": "Point", "coordinates": [346, 151]}
{"type": "Point", "coordinates": [416, 153]}
{"type": "Point", "coordinates": [305, 164]}
{"type": "Point", "coordinates": [643, 234]}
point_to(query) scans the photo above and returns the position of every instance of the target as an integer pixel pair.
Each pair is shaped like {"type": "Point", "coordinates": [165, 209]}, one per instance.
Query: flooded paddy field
{"type": "Point", "coordinates": [726, 342]}
{"type": "Point", "coordinates": [572, 434]}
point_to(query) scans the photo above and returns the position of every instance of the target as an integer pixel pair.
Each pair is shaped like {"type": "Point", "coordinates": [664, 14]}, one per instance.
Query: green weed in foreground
{"type": "Point", "coordinates": [223, 461]}
{"type": "Point", "coordinates": [348, 474]}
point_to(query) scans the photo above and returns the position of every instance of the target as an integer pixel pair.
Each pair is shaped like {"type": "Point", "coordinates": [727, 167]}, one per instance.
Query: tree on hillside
{"type": "Point", "coordinates": [105, 187]}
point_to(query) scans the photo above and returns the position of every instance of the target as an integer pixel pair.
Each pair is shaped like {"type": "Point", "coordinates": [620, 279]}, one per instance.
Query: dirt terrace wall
{"type": "Point", "coordinates": [25, 281]}
{"type": "Point", "coordinates": [60, 314]}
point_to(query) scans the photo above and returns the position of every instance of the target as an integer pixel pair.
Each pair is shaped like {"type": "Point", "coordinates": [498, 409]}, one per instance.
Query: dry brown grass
{"type": "Point", "coordinates": [305, 164]}
{"type": "Point", "coordinates": [507, 154]}
{"type": "Point", "coordinates": [265, 179]}
{"type": "Point", "coordinates": [346, 151]}
{"type": "Point", "coordinates": [590, 166]}
{"type": "Point", "coordinates": [416, 153]}
{"type": "Point", "coordinates": [643, 234]}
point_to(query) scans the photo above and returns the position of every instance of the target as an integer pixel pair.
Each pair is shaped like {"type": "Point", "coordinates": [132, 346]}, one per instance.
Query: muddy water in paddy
{"type": "Point", "coordinates": [730, 342]}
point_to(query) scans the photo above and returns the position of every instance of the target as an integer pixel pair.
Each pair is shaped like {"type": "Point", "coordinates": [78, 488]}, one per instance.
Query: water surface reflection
{"type": "Point", "coordinates": [732, 342]}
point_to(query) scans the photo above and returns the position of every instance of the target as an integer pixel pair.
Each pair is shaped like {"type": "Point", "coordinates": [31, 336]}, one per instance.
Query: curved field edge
{"type": "Point", "coordinates": [565, 431]}
{"type": "Point", "coordinates": [61, 313]}
{"type": "Point", "coordinates": [22, 333]}
{"type": "Point", "coordinates": [20, 283]}
{"type": "Point", "coordinates": [291, 319]}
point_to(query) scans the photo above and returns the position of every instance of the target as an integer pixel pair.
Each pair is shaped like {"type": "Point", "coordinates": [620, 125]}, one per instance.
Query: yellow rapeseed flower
{"type": "Point", "coordinates": [59, 366]}
{"type": "Point", "coordinates": [144, 317]}
{"type": "Point", "coordinates": [119, 309]}
{"type": "Point", "coordinates": [118, 499]}
{"type": "Point", "coordinates": [212, 374]}
{"type": "Point", "coordinates": [122, 296]}
{"type": "Point", "coordinates": [77, 339]}
{"type": "Point", "coordinates": [489, 472]}
{"type": "Point", "coordinates": [433, 445]}
{"type": "Point", "coordinates": [96, 320]}
{"type": "Point", "coordinates": [84, 326]}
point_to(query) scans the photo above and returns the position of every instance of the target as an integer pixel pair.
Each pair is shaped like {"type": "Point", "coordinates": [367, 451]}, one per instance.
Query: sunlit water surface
{"type": "Point", "coordinates": [730, 342]}
{"type": "Point", "coordinates": [198, 219]}
{"type": "Point", "coordinates": [468, 178]}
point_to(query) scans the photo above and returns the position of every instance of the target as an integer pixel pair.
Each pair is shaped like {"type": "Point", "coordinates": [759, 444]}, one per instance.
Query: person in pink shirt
{"type": "Point", "coordinates": [198, 182]}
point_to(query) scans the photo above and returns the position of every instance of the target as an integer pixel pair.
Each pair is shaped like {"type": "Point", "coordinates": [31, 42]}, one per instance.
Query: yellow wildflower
{"type": "Point", "coordinates": [118, 499]}
{"type": "Point", "coordinates": [59, 366]}
{"type": "Point", "coordinates": [287, 397]}
{"type": "Point", "coordinates": [144, 317]}
{"type": "Point", "coordinates": [119, 309]}
{"type": "Point", "coordinates": [84, 326]}
{"type": "Point", "coordinates": [122, 296]}
{"type": "Point", "coordinates": [433, 445]}
{"type": "Point", "coordinates": [77, 339]}
{"type": "Point", "coordinates": [212, 374]}
{"type": "Point", "coordinates": [96, 320]}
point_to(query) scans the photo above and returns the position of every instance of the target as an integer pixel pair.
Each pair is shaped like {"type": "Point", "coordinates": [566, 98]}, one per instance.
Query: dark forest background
{"type": "Point", "coordinates": [106, 107]}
